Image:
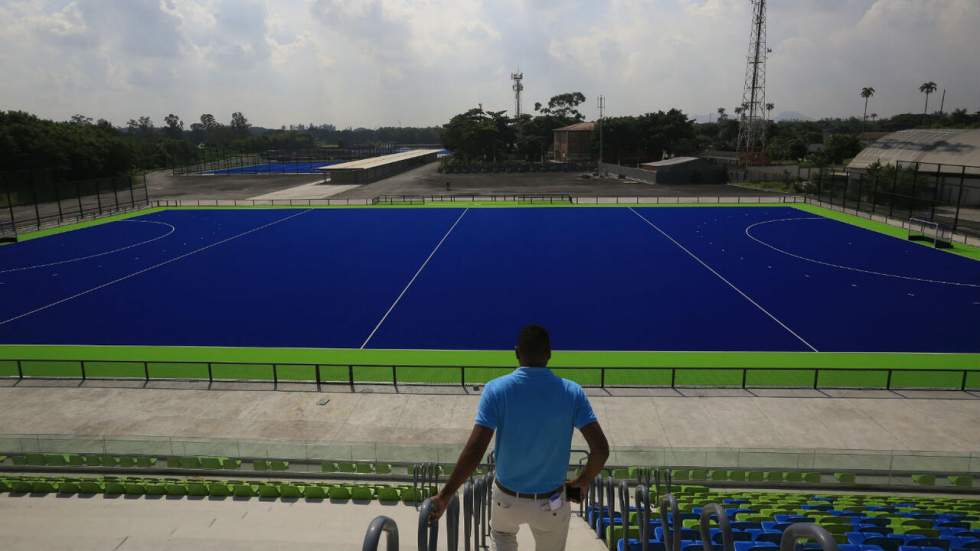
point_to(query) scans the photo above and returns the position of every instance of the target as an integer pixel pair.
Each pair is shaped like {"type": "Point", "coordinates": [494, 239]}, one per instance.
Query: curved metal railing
{"type": "Point", "coordinates": [713, 509]}
{"type": "Point", "coordinates": [671, 527]}
{"type": "Point", "coordinates": [429, 531]}
{"type": "Point", "coordinates": [624, 507]}
{"type": "Point", "coordinates": [809, 531]}
{"type": "Point", "coordinates": [381, 525]}
{"type": "Point", "coordinates": [643, 516]}
{"type": "Point", "coordinates": [425, 478]}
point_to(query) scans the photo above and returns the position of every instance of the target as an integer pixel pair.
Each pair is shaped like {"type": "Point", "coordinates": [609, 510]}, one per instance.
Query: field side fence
{"type": "Point", "coordinates": [35, 200]}
{"type": "Point", "coordinates": [318, 375]}
{"type": "Point", "coordinates": [946, 194]}
{"type": "Point", "coordinates": [892, 462]}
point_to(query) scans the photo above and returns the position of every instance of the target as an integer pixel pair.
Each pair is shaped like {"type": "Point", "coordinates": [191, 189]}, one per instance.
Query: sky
{"type": "Point", "coordinates": [416, 63]}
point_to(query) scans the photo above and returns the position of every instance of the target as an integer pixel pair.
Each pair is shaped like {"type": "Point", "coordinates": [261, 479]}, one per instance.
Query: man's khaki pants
{"type": "Point", "coordinates": [550, 528]}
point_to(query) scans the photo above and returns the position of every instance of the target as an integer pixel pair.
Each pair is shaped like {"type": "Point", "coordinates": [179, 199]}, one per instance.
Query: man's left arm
{"type": "Point", "coordinates": [469, 460]}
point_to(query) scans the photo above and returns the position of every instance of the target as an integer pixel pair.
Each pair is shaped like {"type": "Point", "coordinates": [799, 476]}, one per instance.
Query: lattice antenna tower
{"type": "Point", "coordinates": [753, 121]}
{"type": "Point", "coordinates": [518, 87]}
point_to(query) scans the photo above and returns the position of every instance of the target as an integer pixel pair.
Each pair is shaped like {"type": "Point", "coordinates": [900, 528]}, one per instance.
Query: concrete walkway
{"type": "Point", "coordinates": [419, 417]}
{"type": "Point", "coordinates": [312, 190]}
{"type": "Point", "coordinates": [55, 523]}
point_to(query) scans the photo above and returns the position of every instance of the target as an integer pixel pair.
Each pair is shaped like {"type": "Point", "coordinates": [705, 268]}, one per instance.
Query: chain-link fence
{"type": "Point", "coordinates": [227, 162]}
{"type": "Point", "coordinates": [946, 194]}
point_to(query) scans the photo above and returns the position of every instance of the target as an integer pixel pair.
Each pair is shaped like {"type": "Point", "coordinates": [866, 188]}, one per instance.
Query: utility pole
{"type": "Point", "coordinates": [518, 88]}
{"type": "Point", "coordinates": [602, 107]}
{"type": "Point", "coordinates": [942, 103]}
{"type": "Point", "coordinates": [752, 126]}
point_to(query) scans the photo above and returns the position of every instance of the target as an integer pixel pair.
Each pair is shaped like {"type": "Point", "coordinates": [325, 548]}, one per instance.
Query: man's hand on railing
{"type": "Point", "coordinates": [439, 505]}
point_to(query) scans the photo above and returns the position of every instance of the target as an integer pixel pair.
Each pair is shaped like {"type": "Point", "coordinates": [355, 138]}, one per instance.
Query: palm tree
{"type": "Point", "coordinates": [927, 88]}
{"type": "Point", "coordinates": [739, 110]}
{"type": "Point", "coordinates": [874, 116]}
{"type": "Point", "coordinates": [769, 108]}
{"type": "Point", "coordinates": [721, 113]}
{"type": "Point", "coordinates": [866, 93]}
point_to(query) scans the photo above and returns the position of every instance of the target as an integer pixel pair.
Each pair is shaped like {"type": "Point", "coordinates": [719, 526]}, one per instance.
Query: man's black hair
{"type": "Point", "coordinates": [534, 346]}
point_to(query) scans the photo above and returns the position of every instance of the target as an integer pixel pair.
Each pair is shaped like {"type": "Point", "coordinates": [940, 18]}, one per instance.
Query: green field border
{"type": "Point", "coordinates": [916, 364]}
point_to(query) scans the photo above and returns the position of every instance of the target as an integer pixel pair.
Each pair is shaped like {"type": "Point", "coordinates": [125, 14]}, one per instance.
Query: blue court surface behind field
{"type": "Point", "coordinates": [294, 167]}
{"type": "Point", "coordinates": [698, 279]}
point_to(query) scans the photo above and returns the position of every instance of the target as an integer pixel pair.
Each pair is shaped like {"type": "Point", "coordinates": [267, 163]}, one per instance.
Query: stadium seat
{"type": "Point", "coordinates": [36, 459]}
{"type": "Point", "coordinates": [268, 491]}
{"type": "Point", "coordinates": [278, 465]}
{"type": "Point", "coordinates": [175, 489]}
{"type": "Point", "coordinates": [347, 467]}
{"type": "Point", "coordinates": [924, 479]}
{"type": "Point", "coordinates": [331, 467]}
{"type": "Point", "coordinates": [387, 494]}
{"type": "Point", "coordinates": [219, 489]}
{"type": "Point", "coordinates": [314, 492]}
{"type": "Point", "coordinates": [108, 460]}
{"type": "Point", "coordinates": [243, 490]}
{"type": "Point", "coordinates": [55, 459]}
{"type": "Point", "coordinates": [290, 491]}
{"type": "Point", "coordinates": [339, 493]}
{"type": "Point", "coordinates": [232, 463]}
{"type": "Point", "coordinates": [127, 461]}
{"type": "Point", "coordinates": [114, 488]}
{"type": "Point", "coordinates": [146, 461]}
{"type": "Point", "coordinates": [90, 486]}
{"type": "Point", "coordinates": [362, 493]}
{"type": "Point", "coordinates": [197, 489]}
{"type": "Point", "coordinates": [134, 488]}
{"type": "Point", "coordinates": [190, 462]}
{"type": "Point", "coordinates": [844, 478]}
{"type": "Point", "coordinates": [961, 481]}
{"type": "Point", "coordinates": [363, 468]}
{"type": "Point", "coordinates": [155, 488]}
{"type": "Point", "coordinates": [92, 460]}
{"type": "Point", "coordinates": [212, 463]}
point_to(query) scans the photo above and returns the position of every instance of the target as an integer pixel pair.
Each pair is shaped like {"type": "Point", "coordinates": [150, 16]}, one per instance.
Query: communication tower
{"type": "Point", "coordinates": [753, 121]}
{"type": "Point", "coordinates": [518, 88]}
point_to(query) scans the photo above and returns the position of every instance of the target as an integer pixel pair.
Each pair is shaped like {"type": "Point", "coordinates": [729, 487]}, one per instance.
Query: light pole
{"type": "Point", "coordinates": [602, 106]}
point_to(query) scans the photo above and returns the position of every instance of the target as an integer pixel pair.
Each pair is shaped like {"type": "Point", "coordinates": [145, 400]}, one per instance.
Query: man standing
{"type": "Point", "coordinates": [533, 412]}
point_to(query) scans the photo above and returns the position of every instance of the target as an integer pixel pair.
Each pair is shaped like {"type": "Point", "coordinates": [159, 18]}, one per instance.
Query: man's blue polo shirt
{"type": "Point", "coordinates": [533, 412]}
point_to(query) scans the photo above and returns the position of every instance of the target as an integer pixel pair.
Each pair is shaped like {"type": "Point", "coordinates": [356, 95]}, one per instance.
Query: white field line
{"type": "Point", "coordinates": [153, 267]}
{"type": "Point", "coordinates": [838, 266]}
{"type": "Point", "coordinates": [80, 258]}
{"type": "Point", "coordinates": [414, 277]}
{"type": "Point", "coordinates": [729, 283]}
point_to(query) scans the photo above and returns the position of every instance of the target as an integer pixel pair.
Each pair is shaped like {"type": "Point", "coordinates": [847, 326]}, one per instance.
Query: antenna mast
{"type": "Point", "coordinates": [753, 121]}
{"type": "Point", "coordinates": [518, 88]}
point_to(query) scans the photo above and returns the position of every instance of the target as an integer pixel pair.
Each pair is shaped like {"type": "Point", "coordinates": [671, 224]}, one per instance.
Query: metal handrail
{"type": "Point", "coordinates": [379, 525]}
{"type": "Point", "coordinates": [671, 527]}
{"type": "Point", "coordinates": [142, 371]}
{"type": "Point", "coordinates": [624, 506]}
{"type": "Point", "coordinates": [643, 515]}
{"type": "Point", "coordinates": [810, 531]}
{"type": "Point", "coordinates": [726, 528]}
{"type": "Point", "coordinates": [429, 531]}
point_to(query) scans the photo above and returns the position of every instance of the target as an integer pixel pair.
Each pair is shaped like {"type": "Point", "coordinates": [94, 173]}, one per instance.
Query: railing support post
{"type": "Point", "coordinates": [350, 376]}
{"type": "Point", "coordinates": [317, 377]}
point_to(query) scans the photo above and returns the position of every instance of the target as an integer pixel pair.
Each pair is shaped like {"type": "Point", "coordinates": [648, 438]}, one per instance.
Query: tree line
{"type": "Point", "coordinates": [83, 147]}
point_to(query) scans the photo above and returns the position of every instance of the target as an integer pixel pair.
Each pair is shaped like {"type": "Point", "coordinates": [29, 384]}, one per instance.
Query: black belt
{"type": "Point", "coordinates": [545, 495]}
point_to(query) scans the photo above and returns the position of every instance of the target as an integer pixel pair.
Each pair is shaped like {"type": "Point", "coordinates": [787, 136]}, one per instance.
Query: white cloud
{"type": "Point", "coordinates": [374, 62]}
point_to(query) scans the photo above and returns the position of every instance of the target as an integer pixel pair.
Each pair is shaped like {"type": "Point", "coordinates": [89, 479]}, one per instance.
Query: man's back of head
{"type": "Point", "coordinates": [533, 346]}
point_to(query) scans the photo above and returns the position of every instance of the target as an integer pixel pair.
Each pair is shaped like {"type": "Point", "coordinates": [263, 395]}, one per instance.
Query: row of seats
{"type": "Point", "coordinates": [758, 519]}
{"type": "Point", "coordinates": [176, 487]}
{"type": "Point", "coordinates": [183, 462]}
{"type": "Point", "coordinates": [796, 477]}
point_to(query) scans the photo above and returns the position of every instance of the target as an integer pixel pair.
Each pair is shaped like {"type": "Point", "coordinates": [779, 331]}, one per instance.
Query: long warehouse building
{"type": "Point", "coordinates": [369, 170]}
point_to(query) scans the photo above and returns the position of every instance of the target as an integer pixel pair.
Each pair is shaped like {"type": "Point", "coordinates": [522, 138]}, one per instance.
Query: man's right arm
{"type": "Point", "coordinates": [598, 454]}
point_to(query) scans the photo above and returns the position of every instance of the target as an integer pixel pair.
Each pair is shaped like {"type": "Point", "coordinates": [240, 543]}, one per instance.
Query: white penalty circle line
{"type": "Point", "coordinates": [80, 258]}
{"type": "Point", "coordinates": [729, 283]}
{"type": "Point", "coordinates": [414, 277]}
{"type": "Point", "coordinates": [153, 267]}
{"type": "Point", "coordinates": [838, 266]}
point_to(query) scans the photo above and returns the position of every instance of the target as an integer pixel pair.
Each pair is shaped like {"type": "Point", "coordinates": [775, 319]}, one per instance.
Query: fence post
{"type": "Point", "coordinates": [37, 211]}
{"type": "Point", "coordinates": [874, 193]}
{"type": "Point", "coordinates": [81, 364]}
{"type": "Point", "coordinates": [57, 198]}
{"type": "Point", "coordinates": [816, 377]}
{"type": "Point", "coordinates": [959, 200]}
{"type": "Point", "coordinates": [350, 376]}
{"type": "Point", "coordinates": [860, 190]}
{"type": "Point", "coordinates": [146, 190]}
{"type": "Point", "coordinates": [275, 377]}
{"type": "Point", "coordinates": [317, 377]}
{"type": "Point", "coordinates": [888, 380]}
{"type": "Point", "coordinates": [602, 377]}
{"type": "Point", "coordinates": [891, 204]}
{"type": "Point", "coordinates": [132, 194]}
{"type": "Point", "coordinates": [963, 381]}
{"type": "Point", "coordinates": [10, 203]}
{"type": "Point", "coordinates": [146, 371]}
{"type": "Point", "coordinates": [78, 197]}
{"type": "Point", "coordinates": [673, 377]}
{"type": "Point", "coordinates": [843, 198]}
{"type": "Point", "coordinates": [915, 185]}
{"type": "Point", "coordinates": [394, 375]}
{"type": "Point", "coordinates": [210, 375]}
{"type": "Point", "coordinates": [98, 195]}
{"type": "Point", "coordinates": [745, 372]}
{"type": "Point", "coordinates": [20, 370]}
{"type": "Point", "coordinates": [935, 192]}
{"type": "Point", "coordinates": [115, 193]}
{"type": "Point", "coordinates": [462, 376]}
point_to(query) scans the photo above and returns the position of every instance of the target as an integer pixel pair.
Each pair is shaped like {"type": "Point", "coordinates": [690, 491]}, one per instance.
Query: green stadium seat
{"type": "Point", "coordinates": [680, 474]}
{"type": "Point", "coordinates": [812, 478]}
{"type": "Point", "coordinates": [36, 459]}
{"type": "Point", "coordinates": [19, 459]}
{"type": "Point", "coordinates": [92, 460]}
{"type": "Point", "coordinates": [845, 478]}
{"type": "Point", "coordinates": [260, 465]}
{"type": "Point", "coordinates": [387, 494]}
{"type": "Point", "coordinates": [174, 463]}
{"type": "Point", "coordinates": [409, 495]}
{"type": "Point", "coordinates": [197, 489]}
{"type": "Point", "coordinates": [55, 459]}
{"type": "Point", "coordinates": [134, 488]}
{"type": "Point", "coordinates": [219, 489]}
{"type": "Point", "coordinates": [189, 462]}
{"type": "Point", "coordinates": [146, 461]}
{"type": "Point", "coordinates": [243, 490]}
{"type": "Point", "coordinates": [278, 465]}
{"type": "Point", "coordinates": [698, 475]}
{"type": "Point", "coordinates": [347, 467]}
{"type": "Point", "coordinates": [43, 486]}
{"type": "Point", "coordinates": [314, 492]}
{"type": "Point", "coordinates": [331, 467]}
{"type": "Point", "coordinates": [364, 468]}
{"type": "Point", "coordinates": [212, 463]}
{"type": "Point", "coordinates": [339, 493]}
{"type": "Point", "coordinates": [68, 487]}
{"type": "Point", "coordinates": [290, 491]}
{"type": "Point", "coordinates": [155, 488]}
{"type": "Point", "coordinates": [621, 474]}
{"type": "Point", "coordinates": [4, 485]}
{"type": "Point", "coordinates": [615, 532]}
{"type": "Point", "coordinates": [961, 481]}
{"type": "Point", "coordinates": [3, 458]}
{"type": "Point", "coordinates": [127, 461]}
{"type": "Point", "coordinates": [362, 493]}
{"type": "Point", "coordinates": [231, 463]}
{"type": "Point", "coordinates": [773, 476]}
{"type": "Point", "coordinates": [114, 488]}
{"type": "Point", "coordinates": [75, 460]}
{"type": "Point", "coordinates": [90, 486]}
{"type": "Point", "coordinates": [736, 476]}
{"type": "Point", "coordinates": [382, 468]}
{"type": "Point", "coordinates": [267, 491]}
{"type": "Point", "coordinates": [755, 476]}
{"type": "Point", "coordinates": [20, 486]}
{"type": "Point", "coordinates": [109, 460]}
{"type": "Point", "coordinates": [175, 489]}
{"type": "Point", "coordinates": [924, 479]}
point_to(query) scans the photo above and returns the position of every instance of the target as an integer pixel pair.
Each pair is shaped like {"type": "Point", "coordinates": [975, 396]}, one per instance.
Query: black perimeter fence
{"type": "Point", "coordinates": [604, 377]}
{"type": "Point", "coordinates": [221, 161]}
{"type": "Point", "coordinates": [946, 194]}
{"type": "Point", "coordinates": [38, 199]}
